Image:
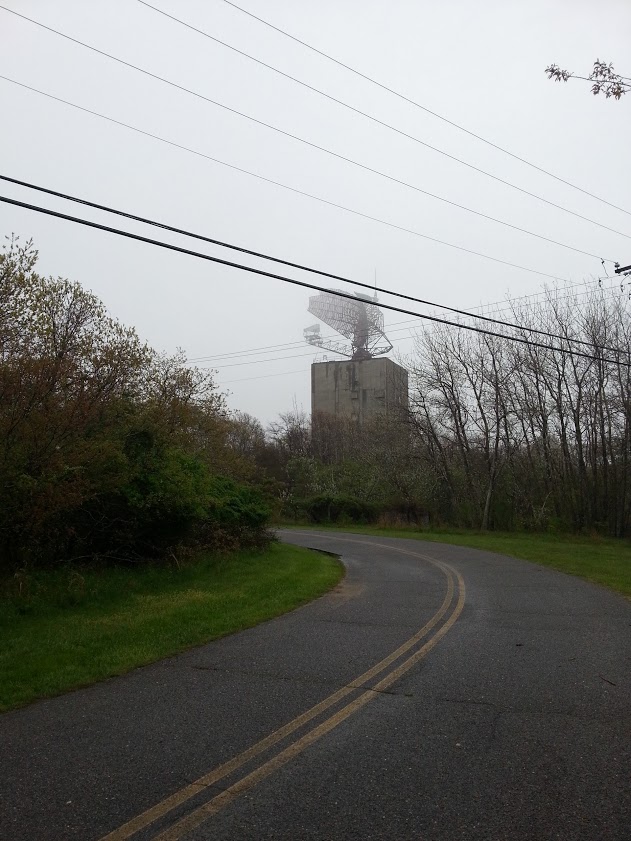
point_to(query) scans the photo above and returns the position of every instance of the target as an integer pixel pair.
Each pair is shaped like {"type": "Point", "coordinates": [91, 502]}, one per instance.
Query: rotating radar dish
{"type": "Point", "coordinates": [357, 319]}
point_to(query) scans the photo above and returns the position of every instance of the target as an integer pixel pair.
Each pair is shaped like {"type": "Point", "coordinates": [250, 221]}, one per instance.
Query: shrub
{"type": "Point", "coordinates": [328, 508]}
{"type": "Point", "coordinates": [108, 449]}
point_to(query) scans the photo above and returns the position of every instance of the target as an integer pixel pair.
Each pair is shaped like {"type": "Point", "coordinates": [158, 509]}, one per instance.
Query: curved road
{"type": "Point", "coordinates": [439, 692]}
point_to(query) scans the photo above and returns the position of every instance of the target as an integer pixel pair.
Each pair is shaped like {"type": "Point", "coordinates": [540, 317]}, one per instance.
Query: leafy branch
{"type": "Point", "coordinates": [603, 77]}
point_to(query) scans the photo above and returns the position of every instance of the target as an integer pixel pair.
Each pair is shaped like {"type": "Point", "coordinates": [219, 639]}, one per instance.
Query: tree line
{"type": "Point", "coordinates": [499, 435]}
{"type": "Point", "coordinates": [108, 449]}
{"type": "Point", "coordinates": [519, 435]}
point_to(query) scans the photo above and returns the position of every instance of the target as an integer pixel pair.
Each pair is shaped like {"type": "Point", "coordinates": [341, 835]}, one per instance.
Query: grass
{"type": "Point", "coordinates": [600, 560]}
{"type": "Point", "coordinates": [64, 629]}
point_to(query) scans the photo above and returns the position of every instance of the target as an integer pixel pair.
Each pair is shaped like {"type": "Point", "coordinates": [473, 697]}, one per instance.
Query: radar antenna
{"type": "Point", "coordinates": [358, 319]}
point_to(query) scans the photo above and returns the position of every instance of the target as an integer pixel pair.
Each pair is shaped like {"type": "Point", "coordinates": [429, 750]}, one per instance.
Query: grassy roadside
{"type": "Point", "coordinates": [599, 560]}
{"type": "Point", "coordinates": [65, 629]}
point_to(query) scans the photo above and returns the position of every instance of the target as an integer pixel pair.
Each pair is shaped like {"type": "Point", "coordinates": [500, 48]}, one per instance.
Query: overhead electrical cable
{"type": "Point", "coordinates": [317, 350]}
{"type": "Point", "coordinates": [264, 376]}
{"type": "Point", "coordinates": [380, 122]}
{"type": "Point", "coordinates": [284, 186]}
{"type": "Point", "coordinates": [216, 361]}
{"type": "Point", "coordinates": [239, 354]}
{"type": "Point", "coordinates": [309, 143]}
{"type": "Point", "coordinates": [311, 353]}
{"type": "Point", "coordinates": [280, 261]}
{"type": "Point", "coordinates": [294, 282]}
{"type": "Point", "coordinates": [257, 351]}
{"type": "Point", "coordinates": [424, 108]}
{"type": "Point", "coordinates": [302, 370]}
{"type": "Point", "coordinates": [296, 345]}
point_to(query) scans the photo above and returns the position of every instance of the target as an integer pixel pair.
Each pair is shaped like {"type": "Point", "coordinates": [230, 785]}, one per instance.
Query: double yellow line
{"type": "Point", "coordinates": [448, 608]}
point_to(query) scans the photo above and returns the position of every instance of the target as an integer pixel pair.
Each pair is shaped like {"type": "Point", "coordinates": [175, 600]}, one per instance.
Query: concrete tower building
{"type": "Point", "coordinates": [359, 389]}
{"type": "Point", "coordinates": [367, 384]}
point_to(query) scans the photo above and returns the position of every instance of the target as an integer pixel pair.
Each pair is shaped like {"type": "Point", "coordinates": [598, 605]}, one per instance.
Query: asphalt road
{"type": "Point", "coordinates": [438, 693]}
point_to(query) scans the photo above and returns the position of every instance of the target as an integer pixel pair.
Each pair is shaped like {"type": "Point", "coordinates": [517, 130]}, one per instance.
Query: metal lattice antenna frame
{"type": "Point", "coordinates": [360, 321]}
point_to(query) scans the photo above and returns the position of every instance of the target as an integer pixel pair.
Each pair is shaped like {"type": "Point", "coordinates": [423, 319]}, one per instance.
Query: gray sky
{"type": "Point", "coordinates": [478, 64]}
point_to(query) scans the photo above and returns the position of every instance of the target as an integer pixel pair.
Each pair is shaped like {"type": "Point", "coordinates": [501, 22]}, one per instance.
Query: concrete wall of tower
{"type": "Point", "coordinates": [359, 389]}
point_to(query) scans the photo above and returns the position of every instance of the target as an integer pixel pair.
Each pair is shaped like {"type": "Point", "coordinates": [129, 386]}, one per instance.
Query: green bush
{"type": "Point", "coordinates": [109, 449]}
{"type": "Point", "coordinates": [170, 502]}
{"type": "Point", "coordinates": [329, 508]}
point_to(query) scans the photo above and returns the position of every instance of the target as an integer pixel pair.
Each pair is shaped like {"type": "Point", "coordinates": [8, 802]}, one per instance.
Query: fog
{"type": "Point", "coordinates": [479, 65]}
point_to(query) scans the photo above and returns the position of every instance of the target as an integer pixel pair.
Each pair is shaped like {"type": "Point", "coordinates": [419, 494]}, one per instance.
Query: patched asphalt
{"type": "Point", "coordinates": [516, 725]}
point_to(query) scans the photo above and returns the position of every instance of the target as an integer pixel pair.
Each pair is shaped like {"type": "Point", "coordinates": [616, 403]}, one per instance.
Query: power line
{"type": "Point", "coordinates": [301, 267]}
{"type": "Point", "coordinates": [274, 359]}
{"type": "Point", "coordinates": [309, 143]}
{"type": "Point", "coordinates": [266, 349]}
{"type": "Point", "coordinates": [280, 184]}
{"type": "Point", "coordinates": [220, 357]}
{"type": "Point", "coordinates": [305, 285]}
{"type": "Point", "coordinates": [264, 377]}
{"type": "Point", "coordinates": [239, 354]}
{"type": "Point", "coordinates": [258, 351]}
{"type": "Point", "coordinates": [315, 352]}
{"type": "Point", "coordinates": [378, 121]}
{"type": "Point", "coordinates": [304, 370]}
{"type": "Point", "coordinates": [424, 108]}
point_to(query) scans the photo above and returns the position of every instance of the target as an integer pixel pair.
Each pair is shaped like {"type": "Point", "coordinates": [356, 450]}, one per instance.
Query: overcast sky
{"type": "Point", "coordinates": [479, 64]}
